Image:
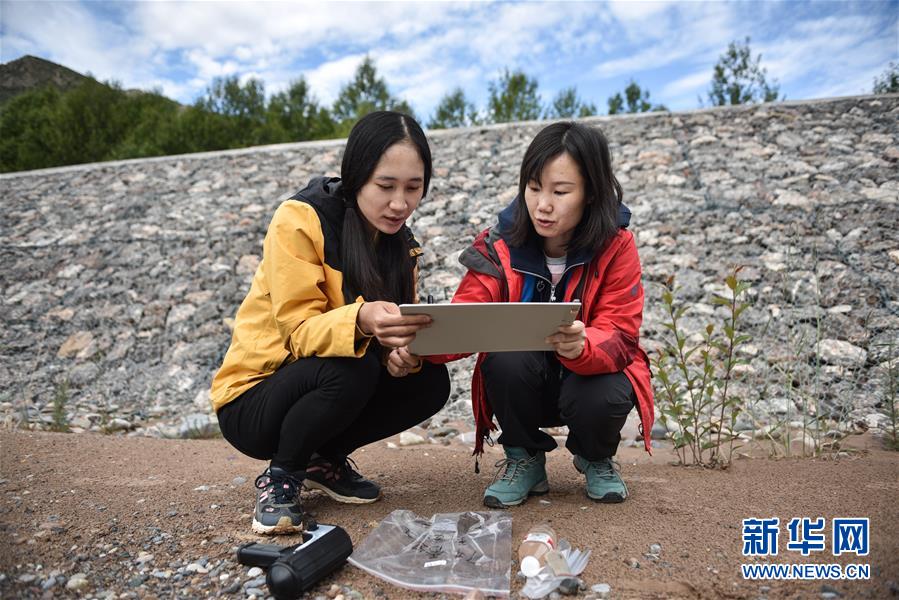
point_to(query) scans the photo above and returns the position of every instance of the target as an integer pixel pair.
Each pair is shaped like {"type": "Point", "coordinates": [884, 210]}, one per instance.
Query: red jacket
{"type": "Point", "coordinates": [612, 311]}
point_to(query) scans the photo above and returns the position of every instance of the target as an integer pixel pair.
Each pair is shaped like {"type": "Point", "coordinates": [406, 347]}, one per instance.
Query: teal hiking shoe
{"type": "Point", "coordinates": [519, 475]}
{"type": "Point", "coordinates": [604, 484]}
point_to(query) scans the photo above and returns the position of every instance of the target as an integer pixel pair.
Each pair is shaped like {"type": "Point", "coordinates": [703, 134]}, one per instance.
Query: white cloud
{"type": "Point", "coordinates": [326, 79]}
{"type": "Point", "coordinates": [690, 84]}
{"type": "Point", "coordinates": [426, 49]}
{"type": "Point", "coordinates": [636, 10]}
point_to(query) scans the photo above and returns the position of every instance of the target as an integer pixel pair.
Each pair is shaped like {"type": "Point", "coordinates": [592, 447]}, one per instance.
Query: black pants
{"type": "Point", "coordinates": [331, 406]}
{"type": "Point", "coordinates": [529, 390]}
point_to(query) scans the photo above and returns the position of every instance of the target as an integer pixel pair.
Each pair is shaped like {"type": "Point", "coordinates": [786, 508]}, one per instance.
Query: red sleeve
{"type": "Point", "coordinates": [613, 327]}
{"type": "Point", "coordinates": [474, 287]}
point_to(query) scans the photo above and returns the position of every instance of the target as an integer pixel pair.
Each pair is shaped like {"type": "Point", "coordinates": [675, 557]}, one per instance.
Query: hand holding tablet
{"type": "Point", "coordinates": [489, 327]}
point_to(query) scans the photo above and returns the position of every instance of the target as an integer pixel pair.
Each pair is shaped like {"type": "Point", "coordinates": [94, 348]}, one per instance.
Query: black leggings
{"type": "Point", "coordinates": [329, 406]}
{"type": "Point", "coordinates": [529, 390]}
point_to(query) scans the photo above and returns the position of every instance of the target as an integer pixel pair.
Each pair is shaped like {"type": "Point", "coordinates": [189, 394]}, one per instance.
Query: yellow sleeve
{"type": "Point", "coordinates": [293, 266]}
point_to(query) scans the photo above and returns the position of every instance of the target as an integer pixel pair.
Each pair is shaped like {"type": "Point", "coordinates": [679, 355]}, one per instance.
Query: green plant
{"type": "Point", "coordinates": [696, 400]}
{"type": "Point", "coordinates": [60, 399]}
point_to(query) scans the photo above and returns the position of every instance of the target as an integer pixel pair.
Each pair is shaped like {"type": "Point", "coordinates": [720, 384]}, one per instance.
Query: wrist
{"type": "Point", "coordinates": [360, 331]}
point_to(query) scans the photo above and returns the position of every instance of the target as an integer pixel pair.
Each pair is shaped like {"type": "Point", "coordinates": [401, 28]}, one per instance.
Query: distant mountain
{"type": "Point", "coordinates": [30, 72]}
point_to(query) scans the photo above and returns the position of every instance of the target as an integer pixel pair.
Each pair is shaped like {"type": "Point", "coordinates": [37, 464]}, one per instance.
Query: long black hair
{"type": "Point", "coordinates": [378, 268]}
{"type": "Point", "coordinates": [588, 148]}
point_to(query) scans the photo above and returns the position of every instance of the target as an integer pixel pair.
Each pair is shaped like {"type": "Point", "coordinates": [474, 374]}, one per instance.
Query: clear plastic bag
{"type": "Point", "coordinates": [450, 552]}
{"type": "Point", "coordinates": [546, 581]}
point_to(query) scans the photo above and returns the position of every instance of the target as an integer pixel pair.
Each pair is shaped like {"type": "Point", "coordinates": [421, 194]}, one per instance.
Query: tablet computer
{"type": "Point", "coordinates": [489, 326]}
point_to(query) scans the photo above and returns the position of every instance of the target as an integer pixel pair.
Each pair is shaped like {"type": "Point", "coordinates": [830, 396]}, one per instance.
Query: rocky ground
{"type": "Point", "coordinates": [106, 516]}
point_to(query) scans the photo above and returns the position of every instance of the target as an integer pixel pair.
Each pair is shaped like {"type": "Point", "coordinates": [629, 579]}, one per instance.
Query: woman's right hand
{"type": "Point", "coordinates": [384, 321]}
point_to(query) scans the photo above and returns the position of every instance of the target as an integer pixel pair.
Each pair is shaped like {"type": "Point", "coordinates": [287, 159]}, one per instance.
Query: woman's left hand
{"type": "Point", "coordinates": [401, 362]}
{"type": "Point", "coordinates": [569, 341]}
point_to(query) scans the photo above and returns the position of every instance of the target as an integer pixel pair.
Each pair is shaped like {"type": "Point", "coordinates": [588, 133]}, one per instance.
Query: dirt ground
{"type": "Point", "coordinates": [91, 503]}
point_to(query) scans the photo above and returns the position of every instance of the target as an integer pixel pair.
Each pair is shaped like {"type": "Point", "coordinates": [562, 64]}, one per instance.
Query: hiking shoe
{"type": "Point", "coordinates": [519, 475]}
{"type": "Point", "coordinates": [278, 509]}
{"type": "Point", "coordinates": [339, 479]}
{"type": "Point", "coordinates": [604, 484]}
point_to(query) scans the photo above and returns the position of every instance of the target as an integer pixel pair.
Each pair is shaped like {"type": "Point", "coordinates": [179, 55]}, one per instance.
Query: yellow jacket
{"type": "Point", "coordinates": [295, 307]}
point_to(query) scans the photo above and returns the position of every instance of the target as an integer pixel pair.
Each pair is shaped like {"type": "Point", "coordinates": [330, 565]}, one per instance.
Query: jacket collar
{"type": "Point", "coordinates": [530, 258]}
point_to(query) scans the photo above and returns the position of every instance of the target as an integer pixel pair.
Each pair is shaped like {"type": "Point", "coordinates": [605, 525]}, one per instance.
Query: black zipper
{"type": "Point", "coordinates": [552, 286]}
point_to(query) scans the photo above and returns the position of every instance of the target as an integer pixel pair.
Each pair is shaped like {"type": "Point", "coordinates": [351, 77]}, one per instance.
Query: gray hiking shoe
{"type": "Point", "coordinates": [604, 484]}
{"type": "Point", "coordinates": [519, 475]}
{"type": "Point", "coordinates": [278, 508]}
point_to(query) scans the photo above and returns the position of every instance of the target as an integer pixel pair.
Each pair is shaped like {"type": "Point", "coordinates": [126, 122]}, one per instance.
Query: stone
{"type": "Point", "coordinates": [840, 352]}
{"type": "Point", "coordinates": [602, 590]}
{"type": "Point", "coordinates": [408, 438]}
{"type": "Point", "coordinates": [76, 582]}
{"type": "Point", "coordinates": [76, 343]}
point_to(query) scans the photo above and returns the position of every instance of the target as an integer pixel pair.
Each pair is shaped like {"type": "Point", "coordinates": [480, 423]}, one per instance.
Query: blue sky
{"type": "Point", "coordinates": [424, 49]}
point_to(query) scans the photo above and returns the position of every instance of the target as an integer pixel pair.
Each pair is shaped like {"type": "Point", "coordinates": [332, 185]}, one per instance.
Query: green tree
{"type": "Point", "coordinates": [294, 115]}
{"type": "Point", "coordinates": [513, 97]}
{"type": "Point", "coordinates": [91, 120]}
{"type": "Point", "coordinates": [152, 116]}
{"type": "Point", "coordinates": [637, 100]}
{"type": "Point", "coordinates": [738, 79]}
{"type": "Point", "coordinates": [454, 110]}
{"type": "Point", "coordinates": [366, 93]}
{"type": "Point", "coordinates": [28, 132]}
{"type": "Point", "coordinates": [888, 82]}
{"type": "Point", "coordinates": [567, 105]}
{"type": "Point", "coordinates": [242, 105]}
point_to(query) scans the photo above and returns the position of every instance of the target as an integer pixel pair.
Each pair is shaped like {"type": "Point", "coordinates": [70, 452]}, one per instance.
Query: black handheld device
{"type": "Point", "coordinates": [294, 569]}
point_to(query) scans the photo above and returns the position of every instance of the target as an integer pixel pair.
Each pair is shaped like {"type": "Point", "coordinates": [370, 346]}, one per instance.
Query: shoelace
{"type": "Point", "coordinates": [512, 467]}
{"type": "Point", "coordinates": [605, 469]}
{"type": "Point", "coordinates": [284, 490]}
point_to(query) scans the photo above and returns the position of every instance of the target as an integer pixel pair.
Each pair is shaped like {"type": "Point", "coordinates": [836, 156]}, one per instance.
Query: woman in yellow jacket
{"type": "Point", "coordinates": [312, 372]}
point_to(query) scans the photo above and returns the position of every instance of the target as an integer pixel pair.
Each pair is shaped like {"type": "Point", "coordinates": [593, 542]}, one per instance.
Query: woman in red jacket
{"type": "Point", "coordinates": [563, 238]}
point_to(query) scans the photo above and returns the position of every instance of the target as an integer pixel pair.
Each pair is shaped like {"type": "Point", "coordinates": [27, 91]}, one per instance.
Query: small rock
{"type": "Point", "coordinates": [408, 438]}
{"type": "Point", "coordinates": [839, 352]}
{"type": "Point", "coordinates": [255, 592]}
{"type": "Point", "coordinates": [633, 562]}
{"type": "Point", "coordinates": [232, 588]}
{"type": "Point", "coordinates": [254, 583]}
{"type": "Point", "coordinates": [655, 549]}
{"type": "Point", "coordinates": [27, 578]}
{"type": "Point", "coordinates": [78, 581]}
{"type": "Point", "coordinates": [238, 480]}
{"type": "Point", "coordinates": [143, 557]}
{"type": "Point", "coordinates": [392, 446]}
{"type": "Point", "coordinates": [254, 572]}
{"type": "Point", "coordinates": [602, 590]}
{"type": "Point", "coordinates": [196, 568]}
{"type": "Point", "coordinates": [570, 586]}
{"type": "Point", "coordinates": [555, 596]}
{"type": "Point", "coordinates": [201, 488]}
{"type": "Point", "coordinates": [118, 425]}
